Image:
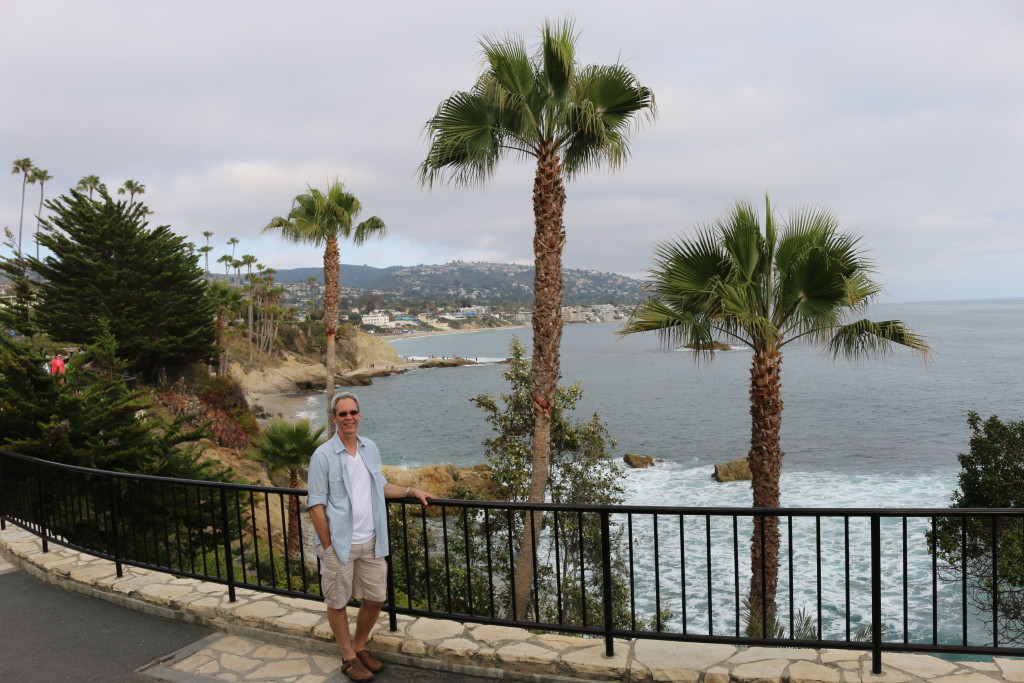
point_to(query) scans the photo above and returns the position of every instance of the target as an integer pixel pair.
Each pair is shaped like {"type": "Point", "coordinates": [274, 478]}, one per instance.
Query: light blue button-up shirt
{"type": "Point", "coordinates": [329, 486]}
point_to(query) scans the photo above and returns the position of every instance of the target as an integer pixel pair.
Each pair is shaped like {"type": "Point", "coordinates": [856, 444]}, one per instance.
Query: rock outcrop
{"type": "Point", "coordinates": [734, 470]}
{"type": "Point", "coordinates": [634, 460]}
{"type": "Point", "coordinates": [446, 481]}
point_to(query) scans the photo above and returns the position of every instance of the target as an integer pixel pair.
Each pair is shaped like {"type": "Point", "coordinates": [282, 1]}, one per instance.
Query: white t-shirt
{"type": "Point", "coordinates": [359, 483]}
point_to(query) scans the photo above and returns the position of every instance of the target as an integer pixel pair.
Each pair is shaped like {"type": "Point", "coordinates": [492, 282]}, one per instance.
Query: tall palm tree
{"type": "Point", "coordinates": [40, 176]}
{"type": "Point", "coordinates": [321, 218]}
{"type": "Point", "coordinates": [88, 184]}
{"type": "Point", "coordinates": [803, 281]}
{"type": "Point", "coordinates": [206, 250]}
{"type": "Point", "coordinates": [227, 300]}
{"type": "Point", "coordinates": [284, 446]}
{"type": "Point", "coordinates": [24, 167]}
{"type": "Point", "coordinates": [248, 260]}
{"type": "Point", "coordinates": [233, 242]}
{"type": "Point", "coordinates": [570, 118]}
{"type": "Point", "coordinates": [132, 187]}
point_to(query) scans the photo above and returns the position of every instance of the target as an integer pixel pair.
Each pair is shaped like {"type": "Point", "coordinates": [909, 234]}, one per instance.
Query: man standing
{"type": "Point", "coordinates": [346, 504]}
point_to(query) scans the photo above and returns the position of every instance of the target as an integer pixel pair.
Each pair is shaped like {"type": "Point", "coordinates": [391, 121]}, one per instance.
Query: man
{"type": "Point", "coordinates": [346, 504]}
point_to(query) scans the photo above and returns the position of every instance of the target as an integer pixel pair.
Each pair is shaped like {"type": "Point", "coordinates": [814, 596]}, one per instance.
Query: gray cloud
{"type": "Point", "coordinates": [905, 119]}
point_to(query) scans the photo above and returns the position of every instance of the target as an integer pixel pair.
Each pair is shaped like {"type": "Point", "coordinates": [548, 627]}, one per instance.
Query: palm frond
{"type": "Point", "coordinates": [464, 141]}
{"type": "Point", "coordinates": [558, 56]}
{"type": "Point", "coordinates": [865, 337]}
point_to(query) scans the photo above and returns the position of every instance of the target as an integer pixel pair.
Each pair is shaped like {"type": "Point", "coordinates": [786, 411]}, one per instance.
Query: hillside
{"type": "Point", "coordinates": [484, 283]}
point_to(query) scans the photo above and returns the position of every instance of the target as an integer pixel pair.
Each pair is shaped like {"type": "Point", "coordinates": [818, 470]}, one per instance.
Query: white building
{"type": "Point", "coordinates": [376, 318]}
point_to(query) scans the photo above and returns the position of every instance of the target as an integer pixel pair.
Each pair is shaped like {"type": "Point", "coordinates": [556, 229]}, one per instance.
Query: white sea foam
{"type": "Point", "coordinates": [683, 566]}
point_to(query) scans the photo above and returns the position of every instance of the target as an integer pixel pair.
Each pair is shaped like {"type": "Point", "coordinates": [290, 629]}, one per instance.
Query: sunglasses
{"type": "Point", "coordinates": [346, 413]}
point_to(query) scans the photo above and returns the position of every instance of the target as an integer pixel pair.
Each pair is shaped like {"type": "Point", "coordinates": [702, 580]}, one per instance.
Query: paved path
{"type": "Point", "coordinates": [51, 634]}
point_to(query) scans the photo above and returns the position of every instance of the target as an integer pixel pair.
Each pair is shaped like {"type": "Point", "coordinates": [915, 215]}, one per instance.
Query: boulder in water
{"type": "Point", "coordinates": [634, 460]}
{"type": "Point", "coordinates": [734, 470]}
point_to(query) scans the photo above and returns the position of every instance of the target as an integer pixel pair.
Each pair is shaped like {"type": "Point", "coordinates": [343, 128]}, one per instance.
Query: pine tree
{"type": "Point", "coordinates": [107, 264]}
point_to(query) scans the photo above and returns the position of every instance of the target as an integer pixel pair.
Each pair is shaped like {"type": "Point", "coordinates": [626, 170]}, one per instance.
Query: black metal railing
{"type": "Point", "coordinates": [897, 580]}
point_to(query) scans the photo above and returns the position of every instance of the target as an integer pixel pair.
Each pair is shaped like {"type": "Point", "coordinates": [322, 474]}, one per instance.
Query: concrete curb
{"type": "Point", "coordinates": [480, 650]}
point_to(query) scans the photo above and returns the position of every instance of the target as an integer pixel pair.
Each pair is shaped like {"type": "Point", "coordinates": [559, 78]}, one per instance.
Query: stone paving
{"type": "Point", "coordinates": [275, 638]}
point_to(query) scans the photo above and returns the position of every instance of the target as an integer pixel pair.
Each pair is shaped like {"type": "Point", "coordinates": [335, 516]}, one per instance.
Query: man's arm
{"type": "Point", "coordinates": [318, 514]}
{"type": "Point", "coordinates": [396, 491]}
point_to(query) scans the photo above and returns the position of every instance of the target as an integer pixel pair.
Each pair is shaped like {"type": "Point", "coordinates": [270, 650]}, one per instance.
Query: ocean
{"type": "Point", "coordinates": [876, 432]}
{"type": "Point", "coordinates": [880, 432]}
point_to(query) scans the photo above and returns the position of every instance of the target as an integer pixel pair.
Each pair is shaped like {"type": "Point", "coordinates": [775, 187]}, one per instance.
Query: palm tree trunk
{"type": "Point", "coordinates": [222, 355]}
{"type": "Point", "coordinates": [21, 220]}
{"type": "Point", "coordinates": [765, 460]}
{"type": "Point", "coordinates": [332, 269]}
{"type": "Point", "coordinates": [548, 240]}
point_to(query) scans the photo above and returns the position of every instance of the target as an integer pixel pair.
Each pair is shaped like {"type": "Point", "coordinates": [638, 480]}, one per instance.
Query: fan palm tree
{"type": "Point", "coordinates": [227, 300]}
{"type": "Point", "coordinates": [132, 188]}
{"type": "Point", "coordinates": [321, 218]}
{"type": "Point", "coordinates": [88, 184]}
{"type": "Point", "coordinates": [233, 242]}
{"type": "Point", "coordinates": [205, 250]}
{"type": "Point", "coordinates": [802, 281]}
{"type": "Point", "coordinates": [570, 118]}
{"type": "Point", "coordinates": [40, 176]}
{"type": "Point", "coordinates": [287, 447]}
{"type": "Point", "coordinates": [24, 167]}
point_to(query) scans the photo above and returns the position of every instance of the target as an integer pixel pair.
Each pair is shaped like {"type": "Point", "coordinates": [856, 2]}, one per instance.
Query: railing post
{"type": "Point", "coordinates": [41, 508]}
{"type": "Point", "coordinates": [392, 614]}
{"type": "Point", "coordinates": [228, 561]}
{"type": "Point", "coordinates": [115, 522]}
{"type": "Point", "coordinates": [606, 571]}
{"type": "Point", "coordinates": [3, 507]}
{"type": "Point", "coordinates": [876, 595]}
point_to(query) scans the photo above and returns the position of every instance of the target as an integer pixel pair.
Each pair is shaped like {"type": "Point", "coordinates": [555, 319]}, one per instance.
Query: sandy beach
{"type": "Point", "coordinates": [273, 389]}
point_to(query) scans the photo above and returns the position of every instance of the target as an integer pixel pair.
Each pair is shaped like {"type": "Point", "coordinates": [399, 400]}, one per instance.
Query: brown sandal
{"type": "Point", "coordinates": [369, 661]}
{"type": "Point", "coordinates": [354, 669]}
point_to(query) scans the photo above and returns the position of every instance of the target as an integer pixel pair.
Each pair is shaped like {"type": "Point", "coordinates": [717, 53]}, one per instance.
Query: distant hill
{"type": "Point", "coordinates": [476, 281]}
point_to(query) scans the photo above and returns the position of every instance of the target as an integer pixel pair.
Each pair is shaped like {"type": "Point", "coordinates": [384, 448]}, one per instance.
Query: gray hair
{"type": "Point", "coordinates": [338, 397]}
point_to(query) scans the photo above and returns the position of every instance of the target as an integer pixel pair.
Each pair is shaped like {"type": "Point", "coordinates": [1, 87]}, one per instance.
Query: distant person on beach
{"type": "Point", "coordinates": [346, 504]}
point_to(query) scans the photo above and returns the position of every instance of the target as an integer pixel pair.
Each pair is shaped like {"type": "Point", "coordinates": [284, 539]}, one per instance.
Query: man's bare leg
{"type": "Point", "coordinates": [365, 619]}
{"type": "Point", "coordinates": [338, 619]}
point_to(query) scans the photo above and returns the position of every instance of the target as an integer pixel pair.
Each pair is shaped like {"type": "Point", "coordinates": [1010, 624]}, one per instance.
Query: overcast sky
{"type": "Point", "coordinates": [904, 118]}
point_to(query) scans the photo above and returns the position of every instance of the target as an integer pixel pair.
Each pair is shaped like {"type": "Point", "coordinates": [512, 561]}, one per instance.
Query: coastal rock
{"type": "Point", "coordinates": [634, 460]}
{"type": "Point", "coordinates": [446, 363]}
{"type": "Point", "coordinates": [734, 470]}
{"type": "Point", "coordinates": [713, 346]}
{"type": "Point", "coordinates": [446, 481]}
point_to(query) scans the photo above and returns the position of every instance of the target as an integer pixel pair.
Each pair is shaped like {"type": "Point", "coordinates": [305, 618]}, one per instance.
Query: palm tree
{"type": "Point", "coordinates": [321, 218]}
{"type": "Point", "coordinates": [206, 250]}
{"type": "Point", "coordinates": [248, 260]}
{"type": "Point", "coordinates": [226, 260]}
{"type": "Point", "coordinates": [24, 167]}
{"type": "Point", "coordinates": [227, 300]}
{"type": "Point", "coordinates": [232, 242]}
{"type": "Point", "coordinates": [284, 446]}
{"type": "Point", "coordinates": [40, 176]}
{"type": "Point", "coordinates": [570, 118]}
{"type": "Point", "coordinates": [802, 281]}
{"type": "Point", "coordinates": [88, 184]}
{"type": "Point", "coordinates": [133, 188]}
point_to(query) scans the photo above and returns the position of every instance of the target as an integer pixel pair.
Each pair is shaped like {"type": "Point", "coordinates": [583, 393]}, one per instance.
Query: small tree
{"type": "Point", "coordinates": [582, 472]}
{"type": "Point", "coordinates": [287, 447]}
{"type": "Point", "coordinates": [988, 553]}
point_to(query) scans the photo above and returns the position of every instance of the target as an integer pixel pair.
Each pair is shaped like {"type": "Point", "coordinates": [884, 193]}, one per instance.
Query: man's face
{"type": "Point", "coordinates": [346, 417]}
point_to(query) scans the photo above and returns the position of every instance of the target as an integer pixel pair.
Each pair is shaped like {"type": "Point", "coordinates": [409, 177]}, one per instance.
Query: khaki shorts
{"type": "Point", "coordinates": [364, 577]}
